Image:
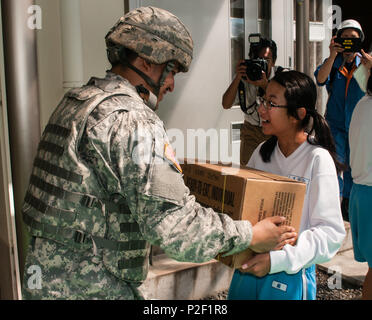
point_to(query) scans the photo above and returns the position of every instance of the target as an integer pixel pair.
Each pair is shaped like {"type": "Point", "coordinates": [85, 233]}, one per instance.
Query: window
{"type": "Point", "coordinates": [237, 27]}
{"type": "Point", "coordinates": [236, 127]}
{"type": "Point", "coordinates": [237, 32]}
{"type": "Point", "coordinates": [264, 18]}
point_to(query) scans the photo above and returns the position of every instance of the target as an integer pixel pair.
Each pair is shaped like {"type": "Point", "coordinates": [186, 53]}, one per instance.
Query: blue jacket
{"type": "Point", "coordinates": [340, 106]}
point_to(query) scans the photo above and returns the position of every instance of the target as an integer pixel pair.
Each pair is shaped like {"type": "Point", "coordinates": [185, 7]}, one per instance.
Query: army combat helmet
{"type": "Point", "coordinates": [156, 35]}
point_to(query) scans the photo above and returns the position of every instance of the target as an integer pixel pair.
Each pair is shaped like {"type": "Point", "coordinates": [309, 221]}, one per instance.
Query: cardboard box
{"type": "Point", "coordinates": [245, 194]}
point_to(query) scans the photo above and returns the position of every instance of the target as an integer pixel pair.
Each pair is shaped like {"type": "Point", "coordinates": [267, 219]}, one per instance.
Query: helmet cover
{"type": "Point", "coordinates": [155, 34]}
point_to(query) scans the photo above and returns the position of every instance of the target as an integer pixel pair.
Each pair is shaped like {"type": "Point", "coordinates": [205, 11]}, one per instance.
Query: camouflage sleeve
{"type": "Point", "coordinates": [167, 214]}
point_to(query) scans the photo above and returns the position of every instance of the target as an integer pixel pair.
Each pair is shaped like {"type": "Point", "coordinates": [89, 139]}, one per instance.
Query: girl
{"type": "Point", "coordinates": [360, 135]}
{"type": "Point", "coordinates": [288, 113]}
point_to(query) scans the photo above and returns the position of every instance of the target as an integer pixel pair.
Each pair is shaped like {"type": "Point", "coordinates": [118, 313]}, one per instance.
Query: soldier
{"type": "Point", "coordinates": [105, 184]}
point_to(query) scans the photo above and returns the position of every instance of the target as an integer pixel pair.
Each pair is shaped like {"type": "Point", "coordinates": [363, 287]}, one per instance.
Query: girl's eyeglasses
{"type": "Point", "coordinates": [268, 105]}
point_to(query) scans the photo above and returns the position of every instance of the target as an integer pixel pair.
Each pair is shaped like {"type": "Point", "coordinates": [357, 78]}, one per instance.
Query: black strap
{"type": "Point", "coordinates": [80, 237]}
{"type": "Point", "coordinates": [242, 101]}
{"type": "Point", "coordinates": [241, 95]}
{"type": "Point", "coordinates": [48, 210]}
{"type": "Point", "coordinates": [124, 61]}
{"type": "Point", "coordinates": [47, 228]}
{"type": "Point", "coordinates": [121, 208]}
{"type": "Point", "coordinates": [57, 130]}
{"type": "Point", "coordinates": [130, 245]}
{"type": "Point", "coordinates": [57, 171]}
{"type": "Point", "coordinates": [82, 199]}
{"type": "Point", "coordinates": [85, 200]}
{"type": "Point", "coordinates": [51, 147]}
{"type": "Point", "coordinates": [131, 263]}
{"type": "Point", "coordinates": [129, 227]}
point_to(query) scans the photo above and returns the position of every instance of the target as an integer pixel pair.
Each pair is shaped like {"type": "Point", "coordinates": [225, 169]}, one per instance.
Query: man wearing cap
{"type": "Point", "coordinates": [106, 184]}
{"type": "Point", "coordinates": [336, 73]}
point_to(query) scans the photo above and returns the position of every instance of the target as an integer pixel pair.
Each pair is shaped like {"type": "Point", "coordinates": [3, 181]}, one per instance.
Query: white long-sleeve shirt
{"type": "Point", "coordinates": [322, 229]}
{"type": "Point", "coordinates": [360, 135]}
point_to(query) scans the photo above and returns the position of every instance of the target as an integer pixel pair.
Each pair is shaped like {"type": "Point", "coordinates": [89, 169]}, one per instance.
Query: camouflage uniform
{"type": "Point", "coordinates": [103, 187]}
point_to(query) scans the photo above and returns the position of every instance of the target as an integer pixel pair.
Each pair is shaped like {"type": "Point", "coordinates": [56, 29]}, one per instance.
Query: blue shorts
{"type": "Point", "coordinates": [277, 286]}
{"type": "Point", "coordinates": [360, 214]}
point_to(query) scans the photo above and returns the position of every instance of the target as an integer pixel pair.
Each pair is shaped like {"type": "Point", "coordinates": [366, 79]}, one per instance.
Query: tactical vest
{"type": "Point", "coordinates": [66, 202]}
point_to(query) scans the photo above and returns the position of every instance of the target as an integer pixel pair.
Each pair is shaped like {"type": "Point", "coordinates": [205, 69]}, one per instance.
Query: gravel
{"type": "Point", "coordinates": [347, 292]}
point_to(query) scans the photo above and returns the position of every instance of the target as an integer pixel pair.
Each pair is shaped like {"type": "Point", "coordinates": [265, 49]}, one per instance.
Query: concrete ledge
{"type": "Point", "coordinates": [172, 280]}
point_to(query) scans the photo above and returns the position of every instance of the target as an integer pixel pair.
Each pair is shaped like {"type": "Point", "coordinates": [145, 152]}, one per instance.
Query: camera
{"type": "Point", "coordinates": [350, 44]}
{"type": "Point", "coordinates": [256, 65]}
{"type": "Point", "coordinates": [255, 68]}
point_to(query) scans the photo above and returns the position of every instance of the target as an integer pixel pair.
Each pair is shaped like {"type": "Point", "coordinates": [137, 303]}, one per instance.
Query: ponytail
{"type": "Point", "coordinates": [322, 137]}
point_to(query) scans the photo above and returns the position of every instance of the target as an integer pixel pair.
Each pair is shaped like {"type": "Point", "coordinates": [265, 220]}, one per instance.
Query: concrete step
{"type": "Point", "coordinates": [348, 242]}
{"type": "Point", "coordinates": [172, 280]}
{"type": "Point", "coordinates": [344, 263]}
{"type": "Point", "coordinates": [351, 271]}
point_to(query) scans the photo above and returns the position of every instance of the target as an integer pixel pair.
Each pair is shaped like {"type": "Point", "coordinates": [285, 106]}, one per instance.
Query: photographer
{"type": "Point", "coordinates": [336, 73]}
{"type": "Point", "coordinates": [251, 135]}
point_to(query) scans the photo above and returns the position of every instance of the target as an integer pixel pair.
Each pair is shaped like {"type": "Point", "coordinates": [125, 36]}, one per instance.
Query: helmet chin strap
{"type": "Point", "coordinates": [153, 96]}
{"type": "Point", "coordinates": [151, 101]}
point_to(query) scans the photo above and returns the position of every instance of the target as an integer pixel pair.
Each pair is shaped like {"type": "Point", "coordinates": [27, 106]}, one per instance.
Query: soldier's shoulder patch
{"type": "Point", "coordinates": [171, 156]}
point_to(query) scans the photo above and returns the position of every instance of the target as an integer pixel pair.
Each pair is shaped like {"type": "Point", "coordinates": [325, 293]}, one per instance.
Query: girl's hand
{"type": "Point", "coordinates": [286, 239]}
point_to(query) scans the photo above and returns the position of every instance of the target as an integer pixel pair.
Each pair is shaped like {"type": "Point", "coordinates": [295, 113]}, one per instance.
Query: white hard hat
{"type": "Point", "coordinates": [350, 24]}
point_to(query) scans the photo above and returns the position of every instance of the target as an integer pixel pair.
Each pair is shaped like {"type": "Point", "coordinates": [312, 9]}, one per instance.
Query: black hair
{"type": "Point", "coordinates": [114, 59]}
{"type": "Point", "coordinates": [255, 50]}
{"type": "Point", "coordinates": [300, 91]}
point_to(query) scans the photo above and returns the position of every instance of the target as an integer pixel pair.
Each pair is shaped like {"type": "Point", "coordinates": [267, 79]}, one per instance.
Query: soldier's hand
{"type": "Point", "coordinates": [269, 234]}
{"type": "Point", "coordinates": [259, 265]}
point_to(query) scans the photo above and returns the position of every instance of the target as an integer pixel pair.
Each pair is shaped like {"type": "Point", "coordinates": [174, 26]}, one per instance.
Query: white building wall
{"type": "Point", "coordinates": [196, 102]}
{"type": "Point", "coordinates": [97, 17]}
